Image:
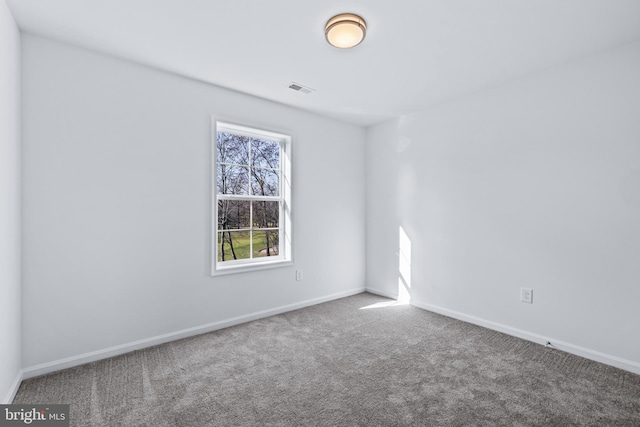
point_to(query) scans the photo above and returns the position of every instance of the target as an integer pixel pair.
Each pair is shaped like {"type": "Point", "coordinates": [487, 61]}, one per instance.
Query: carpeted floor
{"type": "Point", "coordinates": [341, 364]}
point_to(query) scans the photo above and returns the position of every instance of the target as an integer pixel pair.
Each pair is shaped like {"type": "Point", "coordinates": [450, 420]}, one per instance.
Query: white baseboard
{"type": "Point", "coordinates": [81, 359]}
{"type": "Point", "coordinates": [597, 356]}
{"type": "Point", "coordinates": [382, 293]}
{"type": "Point", "coordinates": [14, 388]}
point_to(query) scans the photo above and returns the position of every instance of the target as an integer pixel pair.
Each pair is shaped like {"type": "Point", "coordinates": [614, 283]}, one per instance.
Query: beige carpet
{"type": "Point", "coordinates": [340, 364]}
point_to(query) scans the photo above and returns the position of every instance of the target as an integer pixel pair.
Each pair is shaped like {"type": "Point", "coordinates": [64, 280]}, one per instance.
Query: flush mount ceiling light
{"type": "Point", "coordinates": [345, 30]}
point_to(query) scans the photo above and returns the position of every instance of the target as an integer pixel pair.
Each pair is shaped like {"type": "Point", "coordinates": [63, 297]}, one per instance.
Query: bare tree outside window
{"type": "Point", "coordinates": [249, 196]}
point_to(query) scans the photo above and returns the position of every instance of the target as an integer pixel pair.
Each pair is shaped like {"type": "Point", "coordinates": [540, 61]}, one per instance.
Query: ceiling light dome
{"type": "Point", "coordinates": [345, 31]}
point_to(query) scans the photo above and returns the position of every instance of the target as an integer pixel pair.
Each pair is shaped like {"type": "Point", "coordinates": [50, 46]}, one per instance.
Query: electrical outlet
{"type": "Point", "coordinates": [526, 295]}
{"type": "Point", "coordinates": [298, 274]}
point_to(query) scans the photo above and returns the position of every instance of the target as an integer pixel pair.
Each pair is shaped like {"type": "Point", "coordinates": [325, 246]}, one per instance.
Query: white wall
{"type": "Point", "coordinates": [9, 204]}
{"type": "Point", "coordinates": [117, 206]}
{"type": "Point", "coordinates": [531, 184]}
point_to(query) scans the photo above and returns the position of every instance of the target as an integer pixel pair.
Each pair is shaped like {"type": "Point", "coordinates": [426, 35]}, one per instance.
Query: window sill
{"type": "Point", "coordinates": [246, 268]}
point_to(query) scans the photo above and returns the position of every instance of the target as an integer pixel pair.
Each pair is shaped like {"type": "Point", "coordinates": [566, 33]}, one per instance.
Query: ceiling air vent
{"type": "Point", "coordinates": [300, 88]}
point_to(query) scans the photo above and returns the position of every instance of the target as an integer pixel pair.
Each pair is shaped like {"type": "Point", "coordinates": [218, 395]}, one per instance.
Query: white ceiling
{"type": "Point", "coordinates": [417, 53]}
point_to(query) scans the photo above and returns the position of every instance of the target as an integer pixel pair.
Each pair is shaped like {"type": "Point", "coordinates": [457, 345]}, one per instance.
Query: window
{"type": "Point", "coordinates": [252, 209]}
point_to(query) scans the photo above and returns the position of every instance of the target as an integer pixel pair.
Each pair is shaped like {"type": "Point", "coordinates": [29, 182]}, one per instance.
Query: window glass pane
{"type": "Point", "coordinates": [234, 245]}
{"type": "Point", "coordinates": [233, 179]}
{"type": "Point", "coordinates": [233, 149]}
{"type": "Point", "coordinates": [264, 182]}
{"type": "Point", "coordinates": [234, 214]}
{"type": "Point", "coordinates": [265, 243]}
{"type": "Point", "coordinates": [266, 214]}
{"type": "Point", "coordinates": [251, 193]}
{"type": "Point", "coordinates": [265, 154]}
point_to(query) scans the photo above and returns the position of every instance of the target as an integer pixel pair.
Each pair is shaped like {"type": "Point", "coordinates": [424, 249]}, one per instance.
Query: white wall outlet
{"type": "Point", "coordinates": [526, 295]}
{"type": "Point", "coordinates": [298, 274]}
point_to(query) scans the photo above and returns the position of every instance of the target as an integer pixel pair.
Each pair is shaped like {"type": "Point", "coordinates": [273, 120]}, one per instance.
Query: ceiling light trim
{"type": "Point", "coordinates": [345, 30]}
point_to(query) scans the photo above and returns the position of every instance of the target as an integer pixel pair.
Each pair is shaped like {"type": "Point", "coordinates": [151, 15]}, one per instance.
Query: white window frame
{"type": "Point", "coordinates": [285, 253]}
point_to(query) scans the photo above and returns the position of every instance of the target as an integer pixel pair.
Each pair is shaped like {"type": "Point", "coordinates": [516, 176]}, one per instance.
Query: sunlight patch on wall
{"type": "Point", "coordinates": [404, 267]}
{"type": "Point", "coordinates": [404, 274]}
